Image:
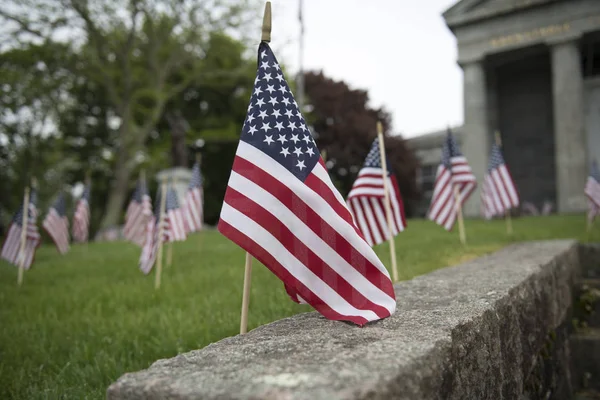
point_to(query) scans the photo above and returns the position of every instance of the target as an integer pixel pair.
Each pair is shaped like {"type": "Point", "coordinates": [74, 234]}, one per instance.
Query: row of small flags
{"type": "Point", "coordinates": [282, 208]}
{"type": "Point", "coordinates": [20, 244]}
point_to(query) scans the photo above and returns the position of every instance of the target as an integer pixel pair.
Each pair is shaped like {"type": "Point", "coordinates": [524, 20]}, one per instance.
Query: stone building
{"type": "Point", "coordinates": [531, 70]}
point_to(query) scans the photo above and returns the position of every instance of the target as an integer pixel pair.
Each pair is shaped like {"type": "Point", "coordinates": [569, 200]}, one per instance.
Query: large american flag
{"type": "Point", "coordinates": [282, 208]}
{"type": "Point", "coordinates": [366, 200]}
{"type": "Point", "coordinates": [174, 223]}
{"type": "Point", "coordinates": [11, 249]}
{"type": "Point", "coordinates": [81, 218]}
{"type": "Point", "coordinates": [194, 202]}
{"type": "Point", "coordinates": [498, 193]}
{"type": "Point", "coordinates": [139, 213]}
{"type": "Point", "coordinates": [453, 170]}
{"type": "Point", "coordinates": [592, 191]}
{"type": "Point", "coordinates": [56, 224]}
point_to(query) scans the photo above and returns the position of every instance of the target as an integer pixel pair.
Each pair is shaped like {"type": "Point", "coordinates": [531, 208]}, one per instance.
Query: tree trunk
{"type": "Point", "coordinates": [118, 191]}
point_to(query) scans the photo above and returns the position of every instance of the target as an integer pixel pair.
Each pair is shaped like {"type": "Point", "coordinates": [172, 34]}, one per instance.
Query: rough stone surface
{"type": "Point", "coordinates": [472, 331]}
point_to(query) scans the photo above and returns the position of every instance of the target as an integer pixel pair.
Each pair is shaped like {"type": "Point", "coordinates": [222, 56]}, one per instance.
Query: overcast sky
{"type": "Point", "coordinates": [399, 50]}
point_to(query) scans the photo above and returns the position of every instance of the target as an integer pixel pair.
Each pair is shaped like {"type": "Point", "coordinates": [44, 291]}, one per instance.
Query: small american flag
{"type": "Point", "coordinates": [81, 218]}
{"type": "Point", "coordinates": [175, 225]}
{"type": "Point", "coordinates": [56, 224]}
{"type": "Point", "coordinates": [592, 191]}
{"type": "Point", "coordinates": [194, 199]}
{"type": "Point", "coordinates": [366, 200]}
{"type": "Point", "coordinates": [454, 170]}
{"type": "Point", "coordinates": [139, 213]}
{"type": "Point", "coordinates": [498, 193]}
{"type": "Point", "coordinates": [151, 241]}
{"type": "Point", "coordinates": [11, 249]}
{"type": "Point", "coordinates": [282, 208]}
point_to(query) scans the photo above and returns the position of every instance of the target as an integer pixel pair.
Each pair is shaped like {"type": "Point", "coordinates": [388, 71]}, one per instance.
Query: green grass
{"type": "Point", "coordinates": [81, 320]}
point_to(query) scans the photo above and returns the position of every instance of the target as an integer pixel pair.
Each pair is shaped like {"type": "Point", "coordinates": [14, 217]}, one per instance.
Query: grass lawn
{"type": "Point", "coordinates": [81, 320]}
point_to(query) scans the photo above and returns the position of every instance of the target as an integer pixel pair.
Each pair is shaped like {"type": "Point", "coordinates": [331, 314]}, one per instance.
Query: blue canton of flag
{"type": "Point", "coordinates": [274, 123]}
{"type": "Point", "coordinates": [373, 159]}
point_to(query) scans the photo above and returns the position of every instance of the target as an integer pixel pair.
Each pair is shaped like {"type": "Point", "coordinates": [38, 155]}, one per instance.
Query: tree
{"type": "Point", "coordinates": [140, 53]}
{"type": "Point", "coordinates": [345, 126]}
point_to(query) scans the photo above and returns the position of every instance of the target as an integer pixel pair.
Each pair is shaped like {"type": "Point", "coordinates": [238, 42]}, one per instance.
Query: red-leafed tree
{"type": "Point", "coordinates": [345, 126]}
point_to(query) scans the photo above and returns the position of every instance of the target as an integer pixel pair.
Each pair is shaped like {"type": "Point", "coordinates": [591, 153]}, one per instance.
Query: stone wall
{"type": "Point", "coordinates": [472, 331]}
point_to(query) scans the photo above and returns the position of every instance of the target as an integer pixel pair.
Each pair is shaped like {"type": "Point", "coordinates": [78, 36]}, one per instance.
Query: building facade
{"type": "Point", "coordinates": [531, 70]}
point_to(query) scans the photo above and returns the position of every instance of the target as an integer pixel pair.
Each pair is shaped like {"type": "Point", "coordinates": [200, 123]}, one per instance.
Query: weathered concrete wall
{"type": "Point", "coordinates": [473, 331]}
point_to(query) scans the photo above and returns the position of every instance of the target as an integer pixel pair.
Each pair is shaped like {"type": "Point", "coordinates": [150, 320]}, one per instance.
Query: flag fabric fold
{"type": "Point", "coordinates": [11, 248]}
{"type": "Point", "coordinates": [194, 202]}
{"type": "Point", "coordinates": [366, 200]}
{"type": "Point", "coordinates": [81, 218]}
{"type": "Point", "coordinates": [151, 240]}
{"type": "Point", "coordinates": [174, 220]}
{"type": "Point", "coordinates": [56, 224]}
{"type": "Point", "coordinates": [498, 193]}
{"type": "Point", "coordinates": [592, 192]}
{"type": "Point", "coordinates": [282, 208]}
{"type": "Point", "coordinates": [138, 214]}
{"type": "Point", "coordinates": [454, 170]}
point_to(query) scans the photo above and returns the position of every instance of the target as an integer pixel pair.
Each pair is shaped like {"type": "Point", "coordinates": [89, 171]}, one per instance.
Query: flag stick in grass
{"type": "Point", "coordinates": [509, 229]}
{"type": "Point", "coordinates": [24, 225]}
{"type": "Point", "coordinates": [266, 37]}
{"type": "Point", "coordinates": [386, 197]}
{"type": "Point", "coordinates": [163, 197]}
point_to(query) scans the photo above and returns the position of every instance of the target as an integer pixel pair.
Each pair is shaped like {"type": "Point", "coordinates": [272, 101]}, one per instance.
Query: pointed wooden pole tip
{"type": "Point", "coordinates": [266, 25]}
{"type": "Point", "coordinates": [498, 138]}
{"type": "Point", "coordinates": [379, 127]}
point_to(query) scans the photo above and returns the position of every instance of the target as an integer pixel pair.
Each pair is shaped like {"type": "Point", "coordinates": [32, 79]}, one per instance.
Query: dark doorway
{"type": "Point", "coordinates": [525, 119]}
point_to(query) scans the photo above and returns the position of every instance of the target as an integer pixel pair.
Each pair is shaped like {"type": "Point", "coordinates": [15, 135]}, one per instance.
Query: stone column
{"type": "Point", "coordinates": [569, 133]}
{"type": "Point", "coordinates": [475, 133]}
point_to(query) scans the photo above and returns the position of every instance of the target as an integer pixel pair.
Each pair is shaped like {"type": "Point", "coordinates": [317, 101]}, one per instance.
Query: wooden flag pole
{"type": "Point", "coordinates": [386, 194]}
{"type": "Point", "coordinates": [24, 223]}
{"type": "Point", "coordinates": [163, 195]}
{"type": "Point", "coordinates": [265, 37]}
{"type": "Point", "coordinates": [246, 294]}
{"type": "Point", "coordinates": [461, 222]}
{"type": "Point", "coordinates": [509, 229]}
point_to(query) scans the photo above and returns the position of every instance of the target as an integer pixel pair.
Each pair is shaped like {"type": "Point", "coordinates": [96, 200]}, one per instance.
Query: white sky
{"type": "Point", "coordinates": [399, 50]}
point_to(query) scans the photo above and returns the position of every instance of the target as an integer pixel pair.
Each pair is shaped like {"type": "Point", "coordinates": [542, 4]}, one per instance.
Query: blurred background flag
{"type": "Point", "coordinates": [454, 170]}
{"type": "Point", "coordinates": [592, 191]}
{"type": "Point", "coordinates": [366, 200]}
{"type": "Point", "coordinates": [56, 224]}
{"type": "Point", "coordinates": [81, 218]}
{"type": "Point", "coordinates": [193, 204]}
{"type": "Point", "coordinates": [498, 193]}
{"type": "Point", "coordinates": [139, 213]}
{"type": "Point", "coordinates": [174, 221]}
{"type": "Point", "coordinates": [11, 249]}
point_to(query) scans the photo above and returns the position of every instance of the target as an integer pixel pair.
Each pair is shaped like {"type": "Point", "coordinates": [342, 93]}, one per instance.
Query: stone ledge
{"type": "Point", "coordinates": [468, 331]}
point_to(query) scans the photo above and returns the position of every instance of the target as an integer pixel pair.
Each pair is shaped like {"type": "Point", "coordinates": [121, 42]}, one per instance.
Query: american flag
{"type": "Point", "coordinates": [194, 199]}
{"type": "Point", "coordinates": [592, 191]}
{"type": "Point", "coordinates": [56, 224]}
{"type": "Point", "coordinates": [139, 213]}
{"type": "Point", "coordinates": [12, 243]}
{"type": "Point", "coordinates": [282, 208]}
{"type": "Point", "coordinates": [174, 223]}
{"type": "Point", "coordinates": [366, 200]}
{"type": "Point", "coordinates": [81, 219]}
{"type": "Point", "coordinates": [151, 242]}
{"type": "Point", "coordinates": [454, 170]}
{"type": "Point", "coordinates": [498, 193]}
